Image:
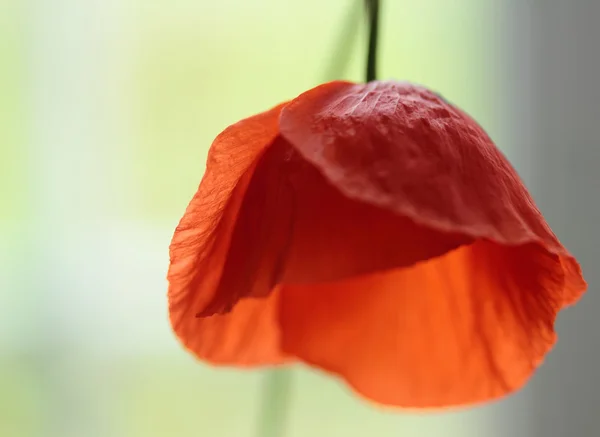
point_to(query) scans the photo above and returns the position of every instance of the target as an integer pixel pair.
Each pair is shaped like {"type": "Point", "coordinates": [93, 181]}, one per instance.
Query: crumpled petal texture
{"type": "Point", "coordinates": [376, 232]}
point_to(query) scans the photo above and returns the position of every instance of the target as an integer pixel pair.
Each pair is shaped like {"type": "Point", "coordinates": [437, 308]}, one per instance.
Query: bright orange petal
{"type": "Point", "coordinates": [463, 328]}
{"type": "Point", "coordinates": [247, 336]}
{"type": "Point", "coordinates": [201, 241]}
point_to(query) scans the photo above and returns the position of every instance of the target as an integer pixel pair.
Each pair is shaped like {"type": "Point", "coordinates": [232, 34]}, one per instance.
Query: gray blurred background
{"type": "Point", "coordinates": [554, 56]}
{"type": "Point", "coordinates": [107, 110]}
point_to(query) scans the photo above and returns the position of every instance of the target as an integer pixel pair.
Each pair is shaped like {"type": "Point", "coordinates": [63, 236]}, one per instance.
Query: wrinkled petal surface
{"type": "Point", "coordinates": [401, 147]}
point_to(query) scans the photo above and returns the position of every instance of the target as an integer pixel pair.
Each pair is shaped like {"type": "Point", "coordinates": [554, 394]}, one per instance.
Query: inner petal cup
{"type": "Point", "coordinates": [294, 227]}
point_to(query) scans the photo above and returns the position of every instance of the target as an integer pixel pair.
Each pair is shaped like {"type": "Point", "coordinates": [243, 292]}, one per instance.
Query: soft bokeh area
{"type": "Point", "coordinates": [107, 110]}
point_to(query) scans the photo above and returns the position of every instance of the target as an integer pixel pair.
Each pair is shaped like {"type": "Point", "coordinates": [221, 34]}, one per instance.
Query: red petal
{"type": "Point", "coordinates": [200, 247]}
{"type": "Point", "coordinates": [335, 237]}
{"type": "Point", "coordinates": [463, 328]}
{"type": "Point", "coordinates": [403, 148]}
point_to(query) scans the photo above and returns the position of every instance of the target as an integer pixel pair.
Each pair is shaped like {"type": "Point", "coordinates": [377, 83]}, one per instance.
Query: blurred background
{"type": "Point", "coordinates": [107, 110]}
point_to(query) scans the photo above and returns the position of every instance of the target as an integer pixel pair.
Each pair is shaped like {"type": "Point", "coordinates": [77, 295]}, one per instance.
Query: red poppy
{"type": "Point", "coordinates": [376, 232]}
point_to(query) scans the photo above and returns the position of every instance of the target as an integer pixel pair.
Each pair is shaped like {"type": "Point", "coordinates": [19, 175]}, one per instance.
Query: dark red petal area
{"type": "Point", "coordinates": [200, 247]}
{"type": "Point", "coordinates": [402, 148]}
{"type": "Point", "coordinates": [335, 237]}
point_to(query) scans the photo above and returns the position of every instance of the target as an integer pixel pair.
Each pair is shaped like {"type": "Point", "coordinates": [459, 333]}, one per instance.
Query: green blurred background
{"type": "Point", "coordinates": [107, 110]}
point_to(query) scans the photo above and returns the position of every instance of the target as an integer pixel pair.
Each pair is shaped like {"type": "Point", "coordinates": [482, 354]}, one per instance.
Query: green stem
{"type": "Point", "coordinates": [373, 13]}
{"type": "Point", "coordinates": [275, 402]}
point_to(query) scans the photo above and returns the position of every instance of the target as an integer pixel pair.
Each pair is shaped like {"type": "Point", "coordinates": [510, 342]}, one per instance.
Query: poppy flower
{"type": "Point", "coordinates": [373, 231]}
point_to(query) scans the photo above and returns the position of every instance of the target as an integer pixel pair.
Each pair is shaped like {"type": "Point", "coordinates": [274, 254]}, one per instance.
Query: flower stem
{"type": "Point", "coordinates": [373, 17]}
{"type": "Point", "coordinates": [275, 402]}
